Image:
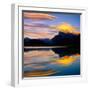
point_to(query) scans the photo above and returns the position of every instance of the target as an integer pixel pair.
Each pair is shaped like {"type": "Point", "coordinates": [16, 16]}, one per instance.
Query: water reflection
{"type": "Point", "coordinates": [51, 62]}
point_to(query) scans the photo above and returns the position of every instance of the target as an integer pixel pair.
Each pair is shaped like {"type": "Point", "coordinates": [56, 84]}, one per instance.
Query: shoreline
{"type": "Point", "coordinates": [26, 47]}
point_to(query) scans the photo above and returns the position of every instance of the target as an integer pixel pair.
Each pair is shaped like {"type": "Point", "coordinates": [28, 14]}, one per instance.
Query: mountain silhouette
{"type": "Point", "coordinates": [62, 39]}
{"type": "Point", "coordinates": [66, 39]}
{"type": "Point", "coordinates": [37, 42]}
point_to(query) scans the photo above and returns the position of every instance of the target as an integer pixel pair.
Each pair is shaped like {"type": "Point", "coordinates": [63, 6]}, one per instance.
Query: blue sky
{"type": "Point", "coordinates": [71, 18]}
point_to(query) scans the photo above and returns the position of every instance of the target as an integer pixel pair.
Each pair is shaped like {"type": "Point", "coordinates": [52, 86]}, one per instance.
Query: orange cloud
{"type": "Point", "coordinates": [38, 16]}
{"type": "Point", "coordinates": [66, 28]}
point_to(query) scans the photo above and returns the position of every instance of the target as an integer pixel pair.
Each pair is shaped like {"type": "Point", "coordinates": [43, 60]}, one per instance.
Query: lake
{"type": "Point", "coordinates": [51, 61]}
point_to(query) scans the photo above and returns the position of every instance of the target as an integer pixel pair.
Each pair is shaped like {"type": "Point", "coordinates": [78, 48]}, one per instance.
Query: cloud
{"type": "Point", "coordinates": [42, 16]}
{"type": "Point", "coordinates": [39, 31]}
{"type": "Point", "coordinates": [66, 28]}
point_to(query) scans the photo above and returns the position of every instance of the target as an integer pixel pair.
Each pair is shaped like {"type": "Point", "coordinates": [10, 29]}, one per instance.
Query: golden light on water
{"type": "Point", "coordinates": [67, 60]}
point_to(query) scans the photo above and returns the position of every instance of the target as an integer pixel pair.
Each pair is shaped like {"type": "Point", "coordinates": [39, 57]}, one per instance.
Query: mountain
{"type": "Point", "coordinates": [67, 39]}
{"type": "Point", "coordinates": [37, 42]}
{"type": "Point", "coordinates": [62, 39]}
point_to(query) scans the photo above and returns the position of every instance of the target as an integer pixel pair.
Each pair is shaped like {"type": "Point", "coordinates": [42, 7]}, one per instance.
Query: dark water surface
{"type": "Point", "coordinates": [39, 62]}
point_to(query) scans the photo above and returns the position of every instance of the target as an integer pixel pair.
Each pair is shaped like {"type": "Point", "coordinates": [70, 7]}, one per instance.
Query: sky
{"type": "Point", "coordinates": [71, 18]}
{"type": "Point", "coordinates": [39, 25]}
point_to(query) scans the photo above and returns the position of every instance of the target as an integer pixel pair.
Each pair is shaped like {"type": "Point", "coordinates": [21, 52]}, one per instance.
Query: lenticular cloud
{"type": "Point", "coordinates": [39, 31]}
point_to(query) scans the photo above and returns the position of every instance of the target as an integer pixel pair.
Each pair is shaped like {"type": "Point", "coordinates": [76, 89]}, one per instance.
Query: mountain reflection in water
{"type": "Point", "coordinates": [40, 62]}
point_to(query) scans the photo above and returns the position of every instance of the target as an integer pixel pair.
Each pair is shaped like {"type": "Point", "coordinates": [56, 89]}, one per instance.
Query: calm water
{"type": "Point", "coordinates": [40, 62]}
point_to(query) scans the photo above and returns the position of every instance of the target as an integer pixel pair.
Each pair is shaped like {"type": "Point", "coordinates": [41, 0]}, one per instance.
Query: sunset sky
{"type": "Point", "coordinates": [39, 25]}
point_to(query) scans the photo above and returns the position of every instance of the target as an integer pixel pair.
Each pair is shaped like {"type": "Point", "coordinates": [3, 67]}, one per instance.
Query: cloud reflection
{"type": "Point", "coordinates": [37, 57]}
{"type": "Point", "coordinates": [42, 62]}
{"type": "Point", "coordinates": [38, 73]}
